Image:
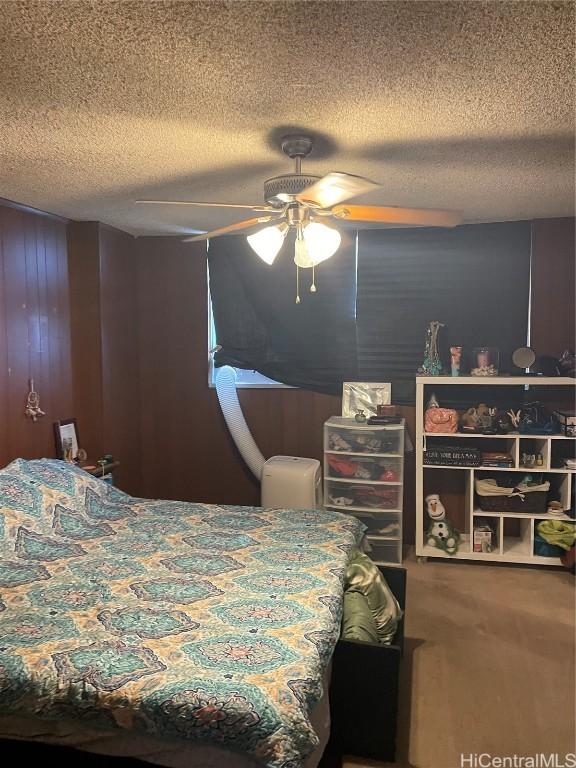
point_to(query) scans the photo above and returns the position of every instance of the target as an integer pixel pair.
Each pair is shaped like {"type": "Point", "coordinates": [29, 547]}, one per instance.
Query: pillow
{"type": "Point", "coordinates": [24, 502]}
{"type": "Point", "coordinates": [364, 577]}
{"type": "Point", "coordinates": [357, 619]}
{"type": "Point", "coordinates": [62, 478]}
{"type": "Point", "coordinates": [30, 491]}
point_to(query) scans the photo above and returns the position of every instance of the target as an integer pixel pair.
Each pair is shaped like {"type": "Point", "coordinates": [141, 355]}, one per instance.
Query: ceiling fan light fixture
{"type": "Point", "coordinates": [267, 242]}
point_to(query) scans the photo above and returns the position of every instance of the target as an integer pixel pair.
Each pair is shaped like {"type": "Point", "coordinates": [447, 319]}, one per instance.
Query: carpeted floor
{"type": "Point", "coordinates": [489, 666]}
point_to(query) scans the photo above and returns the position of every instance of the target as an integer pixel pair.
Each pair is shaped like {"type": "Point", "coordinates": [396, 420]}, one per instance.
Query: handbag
{"type": "Point", "coordinates": [441, 420]}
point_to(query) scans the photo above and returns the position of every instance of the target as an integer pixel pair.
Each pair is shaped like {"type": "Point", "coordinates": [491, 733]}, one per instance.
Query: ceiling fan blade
{"type": "Point", "coordinates": [334, 188]}
{"type": "Point", "coordinates": [238, 226]}
{"type": "Point", "coordinates": [206, 205]}
{"type": "Point", "coordinates": [418, 217]}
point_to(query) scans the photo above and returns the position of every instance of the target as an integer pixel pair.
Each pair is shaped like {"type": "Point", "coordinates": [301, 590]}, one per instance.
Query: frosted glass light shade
{"type": "Point", "coordinates": [321, 241]}
{"type": "Point", "coordinates": [302, 257]}
{"type": "Point", "coordinates": [268, 241]}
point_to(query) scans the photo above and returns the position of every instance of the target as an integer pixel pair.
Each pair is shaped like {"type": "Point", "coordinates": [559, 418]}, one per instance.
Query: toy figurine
{"type": "Point", "coordinates": [470, 420]}
{"type": "Point", "coordinates": [455, 358]}
{"type": "Point", "coordinates": [441, 533]}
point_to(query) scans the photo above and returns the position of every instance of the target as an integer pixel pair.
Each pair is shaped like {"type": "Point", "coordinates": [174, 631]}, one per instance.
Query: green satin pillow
{"type": "Point", "coordinates": [363, 577]}
{"type": "Point", "coordinates": [357, 621]}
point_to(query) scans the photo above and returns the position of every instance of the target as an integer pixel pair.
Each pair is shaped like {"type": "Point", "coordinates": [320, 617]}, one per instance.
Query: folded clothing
{"type": "Point", "coordinates": [363, 578]}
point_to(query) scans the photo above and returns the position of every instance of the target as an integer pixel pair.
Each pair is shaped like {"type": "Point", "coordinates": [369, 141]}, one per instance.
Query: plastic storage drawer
{"type": "Point", "coordinates": [350, 440]}
{"type": "Point", "coordinates": [386, 524]}
{"type": "Point", "coordinates": [379, 468]}
{"type": "Point", "coordinates": [384, 551]}
{"type": "Point", "coordinates": [366, 496]}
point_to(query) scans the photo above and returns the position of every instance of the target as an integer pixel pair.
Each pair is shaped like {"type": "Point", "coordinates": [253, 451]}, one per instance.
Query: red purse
{"type": "Point", "coordinates": [441, 420]}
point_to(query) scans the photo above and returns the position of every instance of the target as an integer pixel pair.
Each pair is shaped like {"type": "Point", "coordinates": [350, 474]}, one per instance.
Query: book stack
{"type": "Point", "coordinates": [497, 459]}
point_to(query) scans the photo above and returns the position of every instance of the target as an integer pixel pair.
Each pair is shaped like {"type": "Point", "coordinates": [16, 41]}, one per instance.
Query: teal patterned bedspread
{"type": "Point", "coordinates": [187, 621]}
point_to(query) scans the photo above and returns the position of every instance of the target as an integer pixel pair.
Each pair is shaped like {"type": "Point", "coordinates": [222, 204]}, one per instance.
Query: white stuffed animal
{"type": "Point", "coordinates": [441, 533]}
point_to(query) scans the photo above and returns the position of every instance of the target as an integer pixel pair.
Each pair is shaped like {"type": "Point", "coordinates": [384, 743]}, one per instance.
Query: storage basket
{"type": "Point", "coordinates": [543, 549]}
{"type": "Point", "coordinates": [493, 498]}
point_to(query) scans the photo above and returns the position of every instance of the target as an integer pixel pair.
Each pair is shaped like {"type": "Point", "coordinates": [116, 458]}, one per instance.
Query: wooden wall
{"type": "Point", "coordinates": [553, 286]}
{"type": "Point", "coordinates": [104, 307]}
{"type": "Point", "coordinates": [120, 354]}
{"type": "Point", "coordinates": [122, 345]}
{"type": "Point", "coordinates": [84, 274]}
{"type": "Point", "coordinates": [34, 330]}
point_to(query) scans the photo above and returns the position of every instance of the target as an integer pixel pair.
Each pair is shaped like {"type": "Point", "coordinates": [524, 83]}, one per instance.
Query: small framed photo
{"type": "Point", "coordinates": [365, 396]}
{"type": "Point", "coordinates": [67, 440]}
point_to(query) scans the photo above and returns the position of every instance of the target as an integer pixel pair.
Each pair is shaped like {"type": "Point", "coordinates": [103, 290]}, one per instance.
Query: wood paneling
{"type": "Point", "coordinates": [103, 278]}
{"type": "Point", "coordinates": [186, 450]}
{"type": "Point", "coordinates": [34, 330]}
{"type": "Point", "coordinates": [84, 270]}
{"type": "Point", "coordinates": [553, 318]}
{"type": "Point", "coordinates": [120, 355]}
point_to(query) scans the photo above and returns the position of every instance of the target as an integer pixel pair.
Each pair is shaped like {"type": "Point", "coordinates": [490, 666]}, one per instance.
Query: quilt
{"type": "Point", "coordinates": [180, 620]}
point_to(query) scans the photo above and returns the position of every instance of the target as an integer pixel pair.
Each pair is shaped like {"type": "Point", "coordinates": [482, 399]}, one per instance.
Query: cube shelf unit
{"type": "Point", "coordinates": [368, 445]}
{"type": "Point", "coordinates": [514, 531]}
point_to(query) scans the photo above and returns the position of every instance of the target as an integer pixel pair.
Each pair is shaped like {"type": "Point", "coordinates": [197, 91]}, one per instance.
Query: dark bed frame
{"type": "Point", "coordinates": [364, 689]}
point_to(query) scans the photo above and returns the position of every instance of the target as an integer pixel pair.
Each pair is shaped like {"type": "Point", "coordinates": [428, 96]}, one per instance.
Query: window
{"type": "Point", "coordinates": [245, 379]}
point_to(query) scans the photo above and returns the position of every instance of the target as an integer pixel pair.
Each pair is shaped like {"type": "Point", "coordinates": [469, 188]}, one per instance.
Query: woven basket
{"type": "Point", "coordinates": [492, 498]}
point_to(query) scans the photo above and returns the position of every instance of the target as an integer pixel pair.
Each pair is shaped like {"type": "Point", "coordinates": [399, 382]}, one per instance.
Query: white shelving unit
{"type": "Point", "coordinates": [376, 500]}
{"type": "Point", "coordinates": [517, 548]}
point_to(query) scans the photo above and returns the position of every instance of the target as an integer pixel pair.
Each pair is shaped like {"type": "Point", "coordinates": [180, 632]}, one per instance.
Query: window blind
{"type": "Point", "coordinates": [474, 278]}
{"type": "Point", "coordinates": [260, 327]}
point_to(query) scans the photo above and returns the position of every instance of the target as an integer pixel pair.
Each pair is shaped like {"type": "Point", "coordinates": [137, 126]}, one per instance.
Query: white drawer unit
{"type": "Point", "coordinates": [363, 476]}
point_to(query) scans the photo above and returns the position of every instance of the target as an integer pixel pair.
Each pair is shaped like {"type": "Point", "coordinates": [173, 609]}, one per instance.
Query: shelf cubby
{"type": "Point", "coordinates": [455, 484]}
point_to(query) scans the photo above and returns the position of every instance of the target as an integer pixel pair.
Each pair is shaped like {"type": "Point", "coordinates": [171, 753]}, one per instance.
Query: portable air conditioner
{"type": "Point", "coordinates": [292, 483]}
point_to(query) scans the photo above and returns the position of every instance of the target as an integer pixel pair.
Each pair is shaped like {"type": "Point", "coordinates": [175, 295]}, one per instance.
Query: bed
{"type": "Point", "coordinates": [177, 632]}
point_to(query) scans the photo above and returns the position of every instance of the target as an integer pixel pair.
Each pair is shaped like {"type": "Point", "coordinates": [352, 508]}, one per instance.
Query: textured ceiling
{"type": "Point", "coordinates": [466, 105]}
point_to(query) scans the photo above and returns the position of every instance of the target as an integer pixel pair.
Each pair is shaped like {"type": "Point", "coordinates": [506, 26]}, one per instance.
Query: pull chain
{"type": "Point", "coordinates": [313, 286]}
{"type": "Point", "coordinates": [297, 284]}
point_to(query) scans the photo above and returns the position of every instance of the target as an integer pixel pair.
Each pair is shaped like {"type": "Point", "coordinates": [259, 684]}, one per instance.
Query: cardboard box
{"type": "Point", "coordinates": [484, 539]}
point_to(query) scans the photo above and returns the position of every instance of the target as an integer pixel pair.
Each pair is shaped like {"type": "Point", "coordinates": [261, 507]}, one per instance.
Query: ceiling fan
{"type": "Point", "coordinates": [302, 202]}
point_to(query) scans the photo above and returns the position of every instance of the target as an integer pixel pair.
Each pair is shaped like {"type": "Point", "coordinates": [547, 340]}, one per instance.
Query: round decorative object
{"type": "Point", "coordinates": [523, 357]}
{"type": "Point", "coordinates": [360, 416]}
{"type": "Point", "coordinates": [81, 456]}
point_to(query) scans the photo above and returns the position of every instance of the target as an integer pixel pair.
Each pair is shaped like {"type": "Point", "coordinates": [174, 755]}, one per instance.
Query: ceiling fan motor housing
{"type": "Point", "coordinates": [281, 189]}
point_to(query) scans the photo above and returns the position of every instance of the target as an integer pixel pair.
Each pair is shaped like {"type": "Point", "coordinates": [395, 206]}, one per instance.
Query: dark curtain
{"type": "Point", "coordinates": [474, 278]}
{"type": "Point", "coordinates": [260, 327]}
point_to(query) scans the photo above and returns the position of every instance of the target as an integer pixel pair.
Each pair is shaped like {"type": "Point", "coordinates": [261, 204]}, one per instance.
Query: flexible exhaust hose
{"type": "Point", "coordinates": [228, 398]}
